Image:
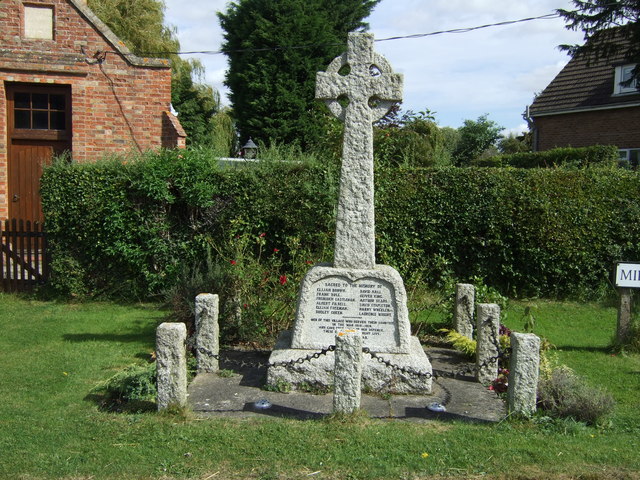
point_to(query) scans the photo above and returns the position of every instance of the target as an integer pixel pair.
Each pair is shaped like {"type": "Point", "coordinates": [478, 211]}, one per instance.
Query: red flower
{"type": "Point", "coordinates": [283, 279]}
{"type": "Point", "coordinates": [245, 305]}
{"type": "Point", "coordinates": [309, 262]}
{"type": "Point", "coordinates": [262, 235]}
{"type": "Point", "coordinates": [276, 250]}
{"type": "Point", "coordinates": [233, 262]}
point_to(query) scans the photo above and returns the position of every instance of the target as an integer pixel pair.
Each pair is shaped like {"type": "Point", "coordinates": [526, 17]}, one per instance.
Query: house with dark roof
{"type": "Point", "coordinates": [68, 84]}
{"type": "Point", "coordinates": [588, 103]}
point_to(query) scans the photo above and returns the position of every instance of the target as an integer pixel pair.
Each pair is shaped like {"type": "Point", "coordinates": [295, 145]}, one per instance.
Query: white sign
{"type": "Point", "coordinates": [365, 305]}
{"type": "Point", "coordinates": [628, 275]}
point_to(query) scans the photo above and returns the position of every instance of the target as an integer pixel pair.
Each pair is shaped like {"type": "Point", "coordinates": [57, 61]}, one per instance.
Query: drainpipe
{"type": "Point", "coordinates": [532, 128]}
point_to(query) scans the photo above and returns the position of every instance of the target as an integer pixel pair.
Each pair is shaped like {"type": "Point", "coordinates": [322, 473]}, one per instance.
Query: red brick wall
{"type": "Point", "coordinates": [116, 106]}
{"type": "Point", "coordinates": [620, 127]}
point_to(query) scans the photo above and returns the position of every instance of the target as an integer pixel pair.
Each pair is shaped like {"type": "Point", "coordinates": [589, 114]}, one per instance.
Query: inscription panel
{"type": "Point", "coordinates": [366, 305]}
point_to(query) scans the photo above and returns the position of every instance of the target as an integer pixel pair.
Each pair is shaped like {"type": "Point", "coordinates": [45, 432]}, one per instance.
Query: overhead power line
{"type": "Point", "coordinates": [548, 16]}
{"type": "Point", "coordinates": [415, 35]}
{"type": "Point", "coordinates": [471, 29]}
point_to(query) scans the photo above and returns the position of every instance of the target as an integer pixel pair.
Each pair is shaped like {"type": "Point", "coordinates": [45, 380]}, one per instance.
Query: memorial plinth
{"type": "Point", "coordinates": [374, 302]}
{"type": "Point", "coordinates": [354, 293]}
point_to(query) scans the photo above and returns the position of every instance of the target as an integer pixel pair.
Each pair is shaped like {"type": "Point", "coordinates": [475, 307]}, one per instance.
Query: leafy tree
{"type": "Point", "coordinates": [475, 138]}
{"type": "Point", "coordinates": [513, 143]}
{"type": "Point", "coordinates": [198, 106]}
{"type": "Point", "coordinates": [597, 19]}
{"type": "Point", "coordinates": [140, 24]}
{"type": "Point", "coordinates": [275, 49]}
{"type": "Point", "coordinates": [411, 139]}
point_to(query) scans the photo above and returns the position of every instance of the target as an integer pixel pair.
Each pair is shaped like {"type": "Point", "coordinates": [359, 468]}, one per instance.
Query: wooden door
{"type": "Point", "coordinates": [39, 128]}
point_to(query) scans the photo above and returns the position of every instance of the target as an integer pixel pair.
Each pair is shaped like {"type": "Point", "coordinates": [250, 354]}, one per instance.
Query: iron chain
{"type": "Point", "coordinates": [435, 374]}
{"type": "Point", "coordinates": [287, 364]}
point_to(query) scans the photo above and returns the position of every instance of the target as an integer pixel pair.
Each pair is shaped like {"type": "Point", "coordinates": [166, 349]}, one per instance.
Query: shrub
{"type": "Point", "coordinates": [129, 226]}
{"type": "Point", "coordinates": [460, 342]}
{"type": "Point", "coordinates": [133, 388]}
{"type": "Point", "coordinates": [257, 294]}
{"type": "Point", "coordinates": [564, 394]}
{"type": "Point", "coordinates": [132, 228]}
{"type": "Point", "coordinates": [596, 156]}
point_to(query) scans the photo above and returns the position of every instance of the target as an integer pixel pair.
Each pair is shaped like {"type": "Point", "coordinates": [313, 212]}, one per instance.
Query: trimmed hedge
{"type": "Point", "coordinates": [596, 156]}
{"type": "Point", "coordinates": [527, 232]}
{"type": "Point", "coordinates": [127, 229]}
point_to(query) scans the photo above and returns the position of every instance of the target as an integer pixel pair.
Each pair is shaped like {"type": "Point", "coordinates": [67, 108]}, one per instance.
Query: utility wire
{"type": "Point", "coordinates": [548, 16]}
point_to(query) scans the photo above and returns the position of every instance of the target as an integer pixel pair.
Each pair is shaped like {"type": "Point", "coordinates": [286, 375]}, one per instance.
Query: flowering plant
{"type": "Point", "coordinates": [501, 383]}
{"type": "Point", "coordinates": [259, 284]}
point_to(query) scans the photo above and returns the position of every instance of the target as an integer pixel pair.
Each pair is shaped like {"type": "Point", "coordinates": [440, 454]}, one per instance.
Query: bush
{"type": "Point", "coordinates": [133, 228]}
{"type": "Point", "coordinates": [538, 232]}
{"type": "Point", "coordinates": [129, 226]}
{"type": "Point", "coordinates": [257, 294]}
{"type": "Point", "coordinates": [596, 156]}
{"type": "Point", "coordinates": [132, 389]}
{"type": "Point", "coordinates": [564, 394]}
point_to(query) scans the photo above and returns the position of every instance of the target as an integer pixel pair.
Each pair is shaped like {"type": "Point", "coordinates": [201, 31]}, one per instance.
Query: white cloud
{"type": "Point", "coordinates": [495, 70]}
{"type": "Point", "coordinates": [515, 131]}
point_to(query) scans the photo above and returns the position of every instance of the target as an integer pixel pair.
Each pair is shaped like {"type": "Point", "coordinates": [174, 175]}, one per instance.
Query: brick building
{"type": "Point", "coordinates": [67, 83]}
{"type": "Point", "coordinates": [586, 104]}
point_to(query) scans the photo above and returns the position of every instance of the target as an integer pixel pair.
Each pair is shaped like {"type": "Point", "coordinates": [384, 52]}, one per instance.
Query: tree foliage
{"type": "Point", "coordinates": [198, 105]}
{"type": "Point", "coordinates": [513, 143]}
{"type": "Point", "coordinates": [610, 27]}
{"type": "Point", "coordinates": [411, 139]}
{"type": "Point", "coordinates": [475, 138]}
{"type": "Point", "coordinates": [275, 49]}
{"type": "Point", "coordinates": [141, 25]}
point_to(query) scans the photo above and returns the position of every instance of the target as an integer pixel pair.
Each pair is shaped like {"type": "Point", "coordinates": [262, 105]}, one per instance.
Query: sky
{"type": "Point", "coordinates": [495, 71]}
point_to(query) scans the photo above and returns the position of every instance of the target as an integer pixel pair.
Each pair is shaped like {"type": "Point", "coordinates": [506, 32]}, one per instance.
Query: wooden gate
{"type": "Point", "coordinates": [24, 260]}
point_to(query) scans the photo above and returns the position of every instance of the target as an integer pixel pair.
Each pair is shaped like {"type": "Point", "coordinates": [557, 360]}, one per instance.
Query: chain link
{"type": "Point", "coordinates": [244, 363]}
{"type": "Point", "coordinates": [466, 370]}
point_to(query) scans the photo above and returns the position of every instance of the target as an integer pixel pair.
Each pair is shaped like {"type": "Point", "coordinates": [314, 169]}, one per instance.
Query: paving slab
{"type": "Point", "coordinates": [239, 395]}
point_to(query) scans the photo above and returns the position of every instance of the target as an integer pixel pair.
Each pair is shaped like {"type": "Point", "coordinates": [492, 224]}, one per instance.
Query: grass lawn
{"type": "Point", "coordinates": [52, 354]}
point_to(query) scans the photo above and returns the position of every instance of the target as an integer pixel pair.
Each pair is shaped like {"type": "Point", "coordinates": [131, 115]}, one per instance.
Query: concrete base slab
{"type": "Point", "coordinates": [212, 395]}
{"type": "Point", "coordinates": [376, 376]}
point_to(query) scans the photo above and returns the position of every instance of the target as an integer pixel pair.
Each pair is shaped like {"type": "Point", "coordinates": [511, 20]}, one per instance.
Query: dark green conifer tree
{"type": "Point", "coordinates": [275, 48]}
{"type": "Point", "coordinates": [610, 27]}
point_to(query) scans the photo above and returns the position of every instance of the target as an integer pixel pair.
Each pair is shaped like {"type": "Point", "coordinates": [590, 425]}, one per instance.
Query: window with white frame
{"type": "Point", "coordinates": [624, 74]}
{"type": "Point", "coordinates": [629, 157]}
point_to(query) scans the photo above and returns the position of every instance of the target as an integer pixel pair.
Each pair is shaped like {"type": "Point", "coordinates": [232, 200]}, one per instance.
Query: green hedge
{"type": "Point", "coordinates": [598, 155]}
{"type": "Point", "coordinates": [127, 229]}
{"type": "Point", "coordinates": [526, 232]}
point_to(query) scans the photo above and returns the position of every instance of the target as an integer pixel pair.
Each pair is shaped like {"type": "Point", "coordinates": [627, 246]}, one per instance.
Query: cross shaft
{"type": "Point", "coordinates": [370, 88]}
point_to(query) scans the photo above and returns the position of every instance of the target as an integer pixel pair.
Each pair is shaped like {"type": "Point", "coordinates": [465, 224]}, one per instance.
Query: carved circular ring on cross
{"type": "Point", "coordinates": [379, 107]}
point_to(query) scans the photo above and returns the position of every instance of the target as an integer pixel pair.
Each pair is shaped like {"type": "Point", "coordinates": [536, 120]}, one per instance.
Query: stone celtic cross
{"type": "Point", "coordinates": [358, 98]}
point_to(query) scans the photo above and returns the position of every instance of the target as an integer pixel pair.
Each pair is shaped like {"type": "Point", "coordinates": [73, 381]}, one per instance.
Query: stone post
{"type": "Point", "coordinates": [207, 332]}
{"type": "Point", "coordinates": [488, 333]}
{"type": "Point", "coordinates": [463, 311]}
{"type": "Point", "coordinates": [523, 373]}
{"type": "Point", "coordinates": [171, 364]}
{"type": "Point", "coordinates": [348, 371]}
{"type": "Point", "coordinates": [624, 315]}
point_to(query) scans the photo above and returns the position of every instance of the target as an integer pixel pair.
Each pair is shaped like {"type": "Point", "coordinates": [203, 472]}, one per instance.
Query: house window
{"type": "Point", "coordinates": [623, 74]}
{"type": "Point", "coordinates": [629, 157]}
{"type": "Point", "coordinates": [39, 111]}
{"type": "Point", "coordinates": [38, 22]}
